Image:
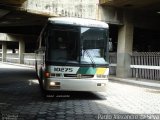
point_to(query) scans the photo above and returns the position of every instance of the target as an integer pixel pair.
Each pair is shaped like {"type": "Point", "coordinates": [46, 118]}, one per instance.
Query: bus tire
{"type": "Point", "coordinates": [40, 78]}
{"type": "Point", "coordinates": [44, 93]}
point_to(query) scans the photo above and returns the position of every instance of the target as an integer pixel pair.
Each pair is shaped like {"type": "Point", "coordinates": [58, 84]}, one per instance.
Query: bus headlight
{"type": "Point", "coordinates": [52, 83]}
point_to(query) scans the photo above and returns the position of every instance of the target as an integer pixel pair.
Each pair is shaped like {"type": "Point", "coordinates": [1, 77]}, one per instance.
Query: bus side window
{"type": "Point", "coordinates": [44, 38]}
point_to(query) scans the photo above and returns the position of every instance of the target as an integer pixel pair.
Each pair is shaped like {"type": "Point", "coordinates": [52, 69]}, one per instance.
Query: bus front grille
{"type": "Point", "coordinates": [71, 75]}
{"type": "Point", "coordinates": [77, 76]}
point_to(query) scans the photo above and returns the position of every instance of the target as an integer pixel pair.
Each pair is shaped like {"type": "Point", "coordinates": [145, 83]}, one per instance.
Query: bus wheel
{"type": "Point", "coordinates": [40, 80]}
{"type": "Point", "coordinates": [44, 92]}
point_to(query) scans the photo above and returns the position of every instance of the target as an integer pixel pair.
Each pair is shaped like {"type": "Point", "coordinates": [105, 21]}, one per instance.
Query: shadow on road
{"type": "Point", "coordinates": [74, 95]}
{"type": "Point", "coordinates": [22, 98]}
{"type": "Point", "coordinates": [15, 83]}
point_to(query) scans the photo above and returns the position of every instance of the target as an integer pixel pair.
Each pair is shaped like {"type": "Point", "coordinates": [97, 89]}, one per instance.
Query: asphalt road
{"type": "Point", "coordinates": [20, 98]}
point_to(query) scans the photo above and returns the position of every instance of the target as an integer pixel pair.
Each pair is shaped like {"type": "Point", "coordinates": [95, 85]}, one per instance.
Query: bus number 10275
{"type": "Point", "coordinates": [63, 69]}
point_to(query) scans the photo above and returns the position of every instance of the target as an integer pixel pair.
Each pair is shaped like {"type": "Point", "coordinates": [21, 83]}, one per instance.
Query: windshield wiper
{"type": "Point", "coordinates": [90, 57]}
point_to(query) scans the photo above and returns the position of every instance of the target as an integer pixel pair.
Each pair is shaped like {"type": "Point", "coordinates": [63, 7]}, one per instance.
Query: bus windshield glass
{"type": "Point", "coordinates": [77, 45]}
{"type": "Point", "coordinates": [63, 45]}
{"type": "Point", "coordinates": [93, 45]}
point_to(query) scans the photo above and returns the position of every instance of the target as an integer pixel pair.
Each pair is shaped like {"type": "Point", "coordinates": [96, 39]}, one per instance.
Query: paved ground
{"type": "Point", "coordinates": [20, 99]}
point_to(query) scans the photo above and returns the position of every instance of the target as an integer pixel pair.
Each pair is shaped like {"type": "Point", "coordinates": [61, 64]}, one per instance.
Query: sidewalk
{"type": "Point", "coordinates": [137, 82]}
{"type": "Point", "coordinates": [16, 64]}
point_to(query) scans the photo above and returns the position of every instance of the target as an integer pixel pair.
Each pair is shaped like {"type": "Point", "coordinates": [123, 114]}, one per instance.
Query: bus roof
{"type": "Point", "coordinates": [78, 22]}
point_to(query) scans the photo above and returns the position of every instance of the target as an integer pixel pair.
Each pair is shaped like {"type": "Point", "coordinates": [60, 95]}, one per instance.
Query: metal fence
{"type": "Point", "coordinates": [145, 65]}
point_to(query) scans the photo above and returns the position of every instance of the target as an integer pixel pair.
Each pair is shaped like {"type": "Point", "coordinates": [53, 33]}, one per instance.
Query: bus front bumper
{"type": "Point", "coordinates": [59, 84]}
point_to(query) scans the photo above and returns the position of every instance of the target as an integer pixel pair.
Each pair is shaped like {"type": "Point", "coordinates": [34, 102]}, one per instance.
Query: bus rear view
{"type": "Point", "coordinates": [73, 55]}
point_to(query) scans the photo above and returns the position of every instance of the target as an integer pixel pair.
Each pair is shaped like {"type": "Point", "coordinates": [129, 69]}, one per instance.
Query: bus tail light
{"type": "Point", "coordinates": [47, 74]}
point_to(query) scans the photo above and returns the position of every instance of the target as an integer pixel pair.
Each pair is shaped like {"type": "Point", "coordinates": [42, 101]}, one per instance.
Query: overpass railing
{"type": "Point", "coordinates": [29, 58]}
{"type": "Point", "coordinates": [144, 65]}
{"type": "Point", "coordinates": [12, 57]}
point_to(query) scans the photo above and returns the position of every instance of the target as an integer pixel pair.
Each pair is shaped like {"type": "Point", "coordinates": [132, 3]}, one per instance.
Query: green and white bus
{"type": "Point", "coordinates": [73, 55]}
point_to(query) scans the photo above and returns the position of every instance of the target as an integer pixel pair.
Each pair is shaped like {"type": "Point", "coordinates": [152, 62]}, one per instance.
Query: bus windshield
{"type": "Point", "coordinates": [63, 44]}
{"type": "Point", "coordinates": [78, 45]}
{"type": "Point", "coordinates": [93, 45]}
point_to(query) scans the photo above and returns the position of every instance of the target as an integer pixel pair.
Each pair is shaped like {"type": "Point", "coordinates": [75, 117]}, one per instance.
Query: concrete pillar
{"type": "Point", "coordinates": [124, 50]}
{"type": "Point", "coordinates": [21, 51]}
{"type": "Point", "coordinates": [4, 51]}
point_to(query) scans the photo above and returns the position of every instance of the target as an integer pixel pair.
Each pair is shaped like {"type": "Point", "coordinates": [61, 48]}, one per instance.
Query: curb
{"type": "Point", "coordinates": [131, 81]}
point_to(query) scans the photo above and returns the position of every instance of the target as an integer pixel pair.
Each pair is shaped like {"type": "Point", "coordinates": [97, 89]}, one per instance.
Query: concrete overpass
{"type": "Point", "coordinates": [137, 28]}
{"type": "Point", "coordinates": [19, 28]}
{"type": "Point", "coordinates": [132, 23]}
{"type": "Point", "coordinates": [22, 20]}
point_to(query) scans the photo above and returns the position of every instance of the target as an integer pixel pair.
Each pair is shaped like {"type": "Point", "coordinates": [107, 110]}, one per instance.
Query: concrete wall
{"type": "Point", "coordinates": [11, 37]}
{"type": "Point", "coordinates": [147, 21]}
{"type": "Point", "coordinates": [12, 57]}
{"type": "Point", "coordinates": [111, 15]}
{"type": "Point", "coordinates": [17, 37]}
{"type": "Point", "coordinates": [141, 19]}
{"type": "Point", "coordinates": [28, 58]}
{"type": "Point", "coordinates": [3, 36]}
{"type": "Point", "coordinates": [75, 8]}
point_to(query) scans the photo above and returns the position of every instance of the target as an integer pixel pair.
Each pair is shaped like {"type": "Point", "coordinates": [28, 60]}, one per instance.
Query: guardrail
{"type": "Point", "coordinates": [29, 58]}
{"type": "Point", "coordinates": [12, 57]}
{"type": "Point", "coordinates": [145, 65]}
